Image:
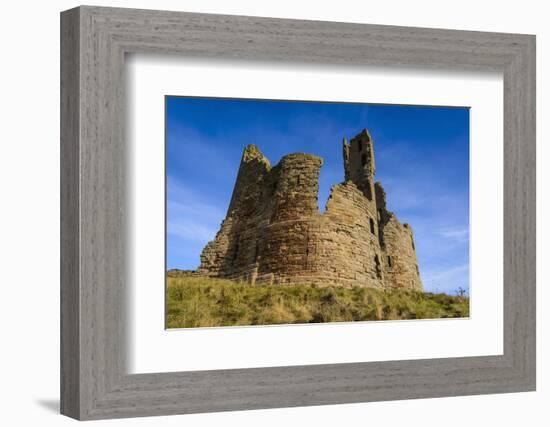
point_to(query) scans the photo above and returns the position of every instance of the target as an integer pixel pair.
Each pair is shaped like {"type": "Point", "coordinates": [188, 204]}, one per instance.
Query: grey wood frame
{"type": "Point", "coordinates": [94, 382]}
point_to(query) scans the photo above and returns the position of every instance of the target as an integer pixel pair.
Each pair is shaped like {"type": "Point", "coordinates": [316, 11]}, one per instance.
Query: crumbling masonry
{"type": "Point", "coordinates": [275, 233]}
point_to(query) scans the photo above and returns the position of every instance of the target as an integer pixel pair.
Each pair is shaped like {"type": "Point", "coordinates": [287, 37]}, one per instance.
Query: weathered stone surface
{"type": "Point", "coordinates": [274, 233]}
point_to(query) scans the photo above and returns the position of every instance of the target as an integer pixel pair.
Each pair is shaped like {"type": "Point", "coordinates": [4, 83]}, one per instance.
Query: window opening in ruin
{"type": "Point", "coordinates": [412, 241]}
{"type": "Point", "coordinates": [359, 145]}
{"type": "Point", "coordinates": [417, 271]}
{"type": "Point", "coordinates": [363, 159]}
{"type": "Point", "coordinates": [274, 186]}
{"type": "Point", "coordinates": [371, 225]}
{"type": "Point", "coordinates": [389, 261]}
{"type": "Point", "coordinates": [368, 191]}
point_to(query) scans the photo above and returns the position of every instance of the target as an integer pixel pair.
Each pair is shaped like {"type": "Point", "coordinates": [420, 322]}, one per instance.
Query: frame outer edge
{"type": "Point", "coordinates": [528, 173]}
{"type": "Point", "coordinates": [520, 215]}
{"type": "Point", "coordinates": [532, 137]}
{"type": "Point", "coordinates": [89, 351]}
{"type": "Point", "coordinates": [70, 396]}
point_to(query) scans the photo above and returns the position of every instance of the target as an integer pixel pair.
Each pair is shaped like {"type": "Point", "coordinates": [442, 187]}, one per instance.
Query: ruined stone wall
{"type": "Point", "coordinates": [274, 232]}
{"type": "Point", "coordinates": [397, 243]}
{"type": "Point", "coordinates": [401, 265]}
{"type": "Point", "coordinates": [285, 249]}
{"type": "Point", "coordinates": [264, 236]}
{"type": "Point", "coordinates": [233, 248]}
{"type": "Point", "coordinates": [347, 251]}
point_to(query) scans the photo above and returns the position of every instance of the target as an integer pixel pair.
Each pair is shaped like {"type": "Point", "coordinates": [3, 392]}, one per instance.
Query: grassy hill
{"type": "Point", "coordinates": [193, 301]}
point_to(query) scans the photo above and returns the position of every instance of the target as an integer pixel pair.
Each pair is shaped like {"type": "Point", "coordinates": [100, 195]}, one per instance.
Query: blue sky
{"type": "Point", "coordinates": [422, 160]}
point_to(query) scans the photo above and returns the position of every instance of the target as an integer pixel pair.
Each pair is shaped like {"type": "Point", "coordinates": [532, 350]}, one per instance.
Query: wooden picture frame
{"type": "Point", "coordinates": [94, 382]}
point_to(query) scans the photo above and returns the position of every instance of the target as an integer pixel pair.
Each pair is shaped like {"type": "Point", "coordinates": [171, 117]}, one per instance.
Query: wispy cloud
{"type": "Point", "coordinates": [191, 230]}
{"type": "Point", "coordinates": [458, 234]}
{"type": "Point", "coordinates": [193, 221]}
{"type": "Point", "coordinates": [438, 213]}
{"type": "Point", "coordinates": [448, 279]}
{"type": "Point", "coordinates": [187, 146]}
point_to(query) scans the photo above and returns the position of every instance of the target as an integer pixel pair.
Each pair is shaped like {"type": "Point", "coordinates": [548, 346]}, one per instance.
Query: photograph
{"type": "Point", "coordinates": [297, 212]}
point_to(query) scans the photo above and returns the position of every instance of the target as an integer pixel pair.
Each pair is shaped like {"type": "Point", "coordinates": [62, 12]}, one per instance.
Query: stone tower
{"type": "Point", "coordinates": [359, 164]}
{"type": "Point", "coordinates": [274, 233]}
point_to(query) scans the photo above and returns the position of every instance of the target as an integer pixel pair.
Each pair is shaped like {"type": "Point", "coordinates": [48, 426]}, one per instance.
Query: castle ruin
{"type": "Point", "coordinates": [274, 232]}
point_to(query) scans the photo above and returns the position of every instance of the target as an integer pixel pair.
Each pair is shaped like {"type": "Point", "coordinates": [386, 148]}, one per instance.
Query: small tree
{"type": "Point", "coordinates": [461, 291]}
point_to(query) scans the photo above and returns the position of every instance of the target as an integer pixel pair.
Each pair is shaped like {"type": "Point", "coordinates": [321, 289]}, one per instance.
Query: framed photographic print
{"type": "Point", "coordinates": [262, 213]}
{"type": "Point", "coordinates": [282, 257]}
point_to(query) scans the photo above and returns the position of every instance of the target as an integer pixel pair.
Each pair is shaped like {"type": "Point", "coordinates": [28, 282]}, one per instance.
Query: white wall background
{"type": "Point", "coordinates": [29, 214]}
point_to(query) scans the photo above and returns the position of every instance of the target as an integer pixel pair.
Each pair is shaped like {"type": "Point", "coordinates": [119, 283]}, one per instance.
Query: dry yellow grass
{"type": "Point", "coordinates": [205, 302]}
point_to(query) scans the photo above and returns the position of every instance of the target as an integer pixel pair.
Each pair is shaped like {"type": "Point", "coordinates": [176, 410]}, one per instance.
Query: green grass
{"type": "Point", "coordinates": [193, 301]}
